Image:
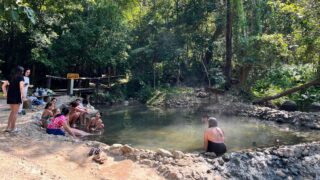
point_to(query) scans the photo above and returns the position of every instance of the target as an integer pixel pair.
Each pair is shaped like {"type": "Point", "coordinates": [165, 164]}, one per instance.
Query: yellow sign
{"type": "Point", "coordinates": [73, 76]}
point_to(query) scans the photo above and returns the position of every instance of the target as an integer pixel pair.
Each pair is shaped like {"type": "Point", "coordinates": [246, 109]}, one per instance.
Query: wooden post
{"type": "Point", "coordinates": [79, 85]}
{"type": "Point", "coordinates": [48, 82]}
{"type": "Point", "coordinates": [109, 74]}
{"type": "Point", "coordinates": [109, 84]}
{"type": "Point", "coordinates": [97, 85]}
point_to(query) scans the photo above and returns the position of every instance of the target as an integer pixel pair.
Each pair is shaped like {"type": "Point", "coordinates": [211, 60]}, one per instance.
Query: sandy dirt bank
{"type": "Point", "coordinates": [32, 154]}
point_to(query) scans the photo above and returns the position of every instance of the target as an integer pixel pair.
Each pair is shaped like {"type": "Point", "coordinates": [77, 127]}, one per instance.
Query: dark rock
{"type": "Point", "coordinates": [314, 107]}
{"type": "Point", "coordinates": [226, 157]}
{"type": "Point", "coordinates": [294, 171]}
{"type": "Point", "coordinates": [236, 161]}
{"type": "Point", "coordinates": [210, 155]}
{"type": "Point", "coordinates": [289, 106]}
{"type": "Point", "coordinates": [221, 162]}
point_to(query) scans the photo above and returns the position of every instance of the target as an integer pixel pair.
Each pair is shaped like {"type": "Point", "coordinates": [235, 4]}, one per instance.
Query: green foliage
{"type": "Point", "coordinates": [306, 97]}
{"type": "Point", "coordinates": [18, 12]}
{"type": "Point", "coordinates": [217, 77]}
{"type": "Point", "coordinates": [95, 37]}
{"type": "Point", "coordinates": [139, 90]}
{"type": "Point", "coordinates": [101, 98]}
{"type": "Point", "coordinates": [174, 42]}
{"type": "Point", "coordinates": [285, 77]}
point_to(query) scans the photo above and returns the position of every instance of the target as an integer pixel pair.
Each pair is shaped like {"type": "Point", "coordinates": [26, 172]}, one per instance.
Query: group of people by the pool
{"type": "Point", "coordinates": [15, 89]}
{"type": "Point", "coordinates": [58, 121]}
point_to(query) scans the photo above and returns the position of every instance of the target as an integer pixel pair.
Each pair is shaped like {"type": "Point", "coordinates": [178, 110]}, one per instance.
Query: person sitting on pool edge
{"type": "Point", "coordinates": [214, 138]}
{"type": "Point", "coordinates": [47, 114]}
{"type": "Point", "coordinates": [95, 123]}
{"type": "Point", "coordinates": [59, 121]}
{"type": "Point", "coordinates": [77, 114]}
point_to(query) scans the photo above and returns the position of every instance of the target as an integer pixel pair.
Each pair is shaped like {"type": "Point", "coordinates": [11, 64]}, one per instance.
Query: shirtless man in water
{"type": "Point", "coordinates": [76, 113]}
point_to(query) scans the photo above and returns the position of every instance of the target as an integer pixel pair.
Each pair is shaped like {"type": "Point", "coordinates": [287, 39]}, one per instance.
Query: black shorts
{"type": "Point", "coordinates": [217, 148]}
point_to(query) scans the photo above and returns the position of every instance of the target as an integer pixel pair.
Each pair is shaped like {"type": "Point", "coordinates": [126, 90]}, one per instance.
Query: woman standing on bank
{"type": "Point", "coordinates": [15, 96]}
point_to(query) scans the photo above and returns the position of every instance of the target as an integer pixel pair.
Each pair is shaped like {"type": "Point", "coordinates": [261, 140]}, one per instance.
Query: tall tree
{"type": "Point", "coordinates": [228, 63]}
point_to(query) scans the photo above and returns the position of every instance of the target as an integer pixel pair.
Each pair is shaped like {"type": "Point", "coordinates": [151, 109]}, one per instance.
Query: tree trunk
{"type": "Point", "coordinates": [178, 74]}
{"type": "Point", "coordinates": [154, 76]}
{"type": "Point", "coordinates": [227, 70]}
{"type": "Point", "coordinates": [205, 62]}
{"type": "Point", "coordinates": [243, 74]}
{"type": "Point", "coordinates": [289, 91]}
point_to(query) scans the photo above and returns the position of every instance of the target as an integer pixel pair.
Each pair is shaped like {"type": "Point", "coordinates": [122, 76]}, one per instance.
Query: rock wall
{"type": "Point", "coordinates": [230, 105]}
{"type": "Point", "coordinates": [297, 118]}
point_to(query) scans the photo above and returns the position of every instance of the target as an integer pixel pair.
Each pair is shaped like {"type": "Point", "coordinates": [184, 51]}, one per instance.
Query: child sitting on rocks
{"type": "Point", "coordinates": [46, 115]}
{"type": "Point", "coordinates": [95, 123]}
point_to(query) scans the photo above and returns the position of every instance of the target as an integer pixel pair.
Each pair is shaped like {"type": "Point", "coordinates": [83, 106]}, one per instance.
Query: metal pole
{"type": "Point", "coordinates": [70, 87]}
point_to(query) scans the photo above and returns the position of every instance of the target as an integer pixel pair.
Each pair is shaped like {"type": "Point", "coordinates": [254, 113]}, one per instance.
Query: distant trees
{"type": "Point", "coordinates": [190, 42]}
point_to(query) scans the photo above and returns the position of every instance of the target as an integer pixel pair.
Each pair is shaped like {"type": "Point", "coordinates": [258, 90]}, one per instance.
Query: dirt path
{"type": "Point", "coordinates": [32, 154]}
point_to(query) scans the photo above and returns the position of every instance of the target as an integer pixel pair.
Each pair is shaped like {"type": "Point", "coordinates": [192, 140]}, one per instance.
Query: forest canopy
{"type": "Point", "coordinates": [266, 46]}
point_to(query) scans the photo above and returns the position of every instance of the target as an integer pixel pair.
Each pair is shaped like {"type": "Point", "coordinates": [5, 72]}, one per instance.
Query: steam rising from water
{"type": "Point", "coordinates": [141, 127]}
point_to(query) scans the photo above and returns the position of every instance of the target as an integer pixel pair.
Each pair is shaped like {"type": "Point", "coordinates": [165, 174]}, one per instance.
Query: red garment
{"type": "Point", "coordinates": [57, 122]}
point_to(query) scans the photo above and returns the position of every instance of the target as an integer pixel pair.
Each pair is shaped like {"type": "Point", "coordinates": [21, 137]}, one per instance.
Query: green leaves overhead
{"type": "Point", "coordinates": [15, 11]}
{"type": "Point", "coordinates": [160, 41]}
{"type": "Point", "coordinates": [94, 37]}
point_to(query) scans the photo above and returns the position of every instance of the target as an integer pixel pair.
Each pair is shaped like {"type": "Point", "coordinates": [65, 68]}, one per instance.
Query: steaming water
{"type": "Point", "coordinates": [142, 127]}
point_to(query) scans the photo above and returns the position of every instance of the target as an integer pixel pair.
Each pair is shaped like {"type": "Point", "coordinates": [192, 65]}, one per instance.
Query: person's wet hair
{"type": "Point", "coordinates": [53, 99]}
{"type": "Point", "coordinates": [84, 102]}
{"type": "Point", "coordinates": [212, 122]}
{"type": "Point", "coordinates": [48, 105]}
{"type": "Point", "coordinates": [64, 111]}
{"type": "Point", "coordinates": [74, 104]}
{"type": "Point", "coordinates": [55, 110]}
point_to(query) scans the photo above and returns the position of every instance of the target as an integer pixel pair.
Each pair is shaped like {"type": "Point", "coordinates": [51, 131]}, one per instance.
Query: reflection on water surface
{"type": "Point", "coordinates": [142, 127]}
